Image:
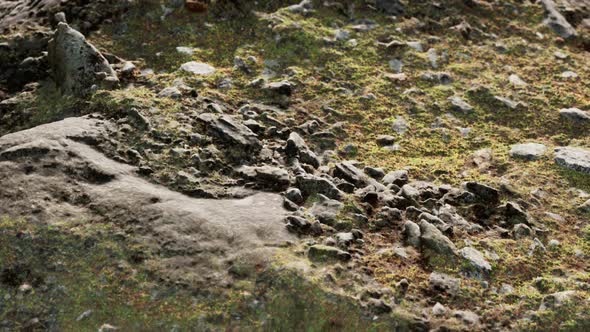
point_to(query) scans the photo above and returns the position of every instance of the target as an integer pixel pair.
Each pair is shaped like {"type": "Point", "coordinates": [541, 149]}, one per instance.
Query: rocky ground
{"type": "Point", "coordinates": [276, 165]}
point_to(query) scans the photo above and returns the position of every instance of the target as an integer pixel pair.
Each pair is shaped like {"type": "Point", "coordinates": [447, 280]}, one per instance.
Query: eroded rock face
{"type": "Point", "coordinates": [76, 64]}
{"type": "Point", "coordinates": [55, 172]}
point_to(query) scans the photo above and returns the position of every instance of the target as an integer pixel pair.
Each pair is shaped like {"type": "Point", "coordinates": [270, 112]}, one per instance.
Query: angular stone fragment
{"type": "Point", "coordinates": [297, 148]}
{"type": "Point", "coordinates": [76, 64]}
{"type": "Point", "coordinates": [436, 246]}
{"type": "Point", "coordinates": [477, 266]}
{"type": "Point", "coordinates": [556, 21]}
{"type": "Point", "coordinates": [483, 192]}
{"type": "Point", "coordinates": [241, 140]}
{"type": "Point", "coordinates": [311, 185]}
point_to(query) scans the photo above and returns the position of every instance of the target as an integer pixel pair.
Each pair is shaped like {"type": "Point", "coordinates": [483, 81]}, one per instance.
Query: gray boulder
{"type": "Point", "coordinates": [77, 65]}
{"type": "Point", "coordinates": [297, 148]}
{"type": "Point", "coordinates": [575, 115]}
{"type": "Point", "coordinates": [576, 159]}
{"type": "Point", "coordinates": [528, 151]}
{"type": "Point", "coordinates": [556, 21]}
{"type": "Point", "coordinates": [435, 245]}
{"type": "Point", "coordinates": [476, 265]}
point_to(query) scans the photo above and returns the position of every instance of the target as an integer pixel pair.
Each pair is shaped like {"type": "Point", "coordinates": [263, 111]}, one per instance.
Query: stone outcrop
{"type": "Point", "coordinates": [77, 65]}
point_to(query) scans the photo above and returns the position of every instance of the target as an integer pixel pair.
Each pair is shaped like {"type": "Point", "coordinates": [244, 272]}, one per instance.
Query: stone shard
{"type": "Point", "coordinates": [76, 64]}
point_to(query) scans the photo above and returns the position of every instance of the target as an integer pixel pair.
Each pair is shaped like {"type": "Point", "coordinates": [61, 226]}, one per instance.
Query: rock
{"type": "Point", "coordinates": [344, 239]}
{"type": "Point", "coordinates": [557, 300]}
{"type": "Point", "coordinates": [84, 315]}
{"type": "Point", "coordinates": [576, 159]}
{"type": "Point", "coordinates": [60, 17]}
{"type": "Point", "coordinates": [284, 88]}
{"type": "Point", "coordinates": [326, 210]}
{"type": "Point", "coordinates": [267, 177]}
{"type": "Point", "coordinates": [569, 74]}
{"type": "Point", "coordinates": [388, 217]}
{"type": "Point", "coordinates": [185, 50]}
{"type": "Point", "coordinates": [399, 178]}
{"type": "Point", "coordinates": [459, 105]}
{"type": "Point", "coordinates": [439, 310]}
{"type": "Point", "coordinates": [341, 34]}
{"type": "Point", "coordinates": [347, 171]}
{"type": "Point", "coordinates": [528, 151]}
{"type": "Point", "coordinates": [516, 81]}
{"type": "Point", "coordinates": [477, 265]}
{"type": "Point", "coordinates": [522, 231]}
{"type": "Point", "coordinates": [556, 21]}
{"type": "Point", "coordinates": [107, 328]}
{"type": "Point", "coordinates": [378, 306]}
{"type": "Point", "coordinates": [584, 207]}
{"type": "Point", "coordinates": [375, 173]}
{"type": "Point", "coordinates": [514, 213]}
{"type": "Point", "coordinates": [294, 195]}
{"type": "Point", "coordinates": [197, 68]}
{"type": "Point", "coordinates": [76, 64]}
{"type": "Point", "coordinates": [400, 125]}
{"type": "Point", "coordinates": [195, 234]}
{"type": "Point", "coordinates": [437, 77]}
{"type": "Point", "coordinates": [312, 184]}
{"type": "Point", "coordinates": [303, 7]}
{"type": "Point", "coordinates": [396, 65]}
{"type": "Point", "coordinates": [384, 140]}
{"type": "Point", "coordinates": [467, 317]}
{"type": "Point", "coordinates": [390, 7]}
{"type": "Point", "coordinates": [436, 246]}
{"type": "Point", "coordinates": [298, 224]}
{"type": "Point", "coordinates": [444, 283]}
{"type": "Point", "coordinates": [484, 193]}
{"type": "Point", "coordinates": [575, 115]}
{"type": "Point", "coordinates": [327, 254]}
{"type": "Point", "coordinates": [297, 148]}
{"type": "Point", "coordinates": [412, 233]}
{"type": "Point", "coordinates": [239, 138]}
{"type": "Point", "coordinates": [170, 92]}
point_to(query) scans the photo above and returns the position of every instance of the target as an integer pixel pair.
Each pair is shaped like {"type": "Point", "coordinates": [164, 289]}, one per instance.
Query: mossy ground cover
{"type": "Point", "coordinates": [338, 75]}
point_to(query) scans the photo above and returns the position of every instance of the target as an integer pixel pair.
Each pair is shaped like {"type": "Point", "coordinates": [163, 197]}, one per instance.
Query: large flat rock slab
{"type": "Point", "coordinates": [576, 159]}
{"type": "Point", "coordinates": [55, 173]}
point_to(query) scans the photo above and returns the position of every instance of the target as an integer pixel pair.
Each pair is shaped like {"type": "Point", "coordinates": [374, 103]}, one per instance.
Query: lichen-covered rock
{"type": "Point", "coordinates": [476, 265]}
{"type": "Point", "coordinates": [77, 65]}
{"type": "Point", "coordinates": [435, 245]}
{"type": "Point", "coordinates": [327, 254]}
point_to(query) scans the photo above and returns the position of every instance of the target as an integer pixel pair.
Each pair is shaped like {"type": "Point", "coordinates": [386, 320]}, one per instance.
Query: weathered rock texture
{"type": "Point", "coordinates": [76, 64]}
{"type": "Point", "coordinates": [55, 173]}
